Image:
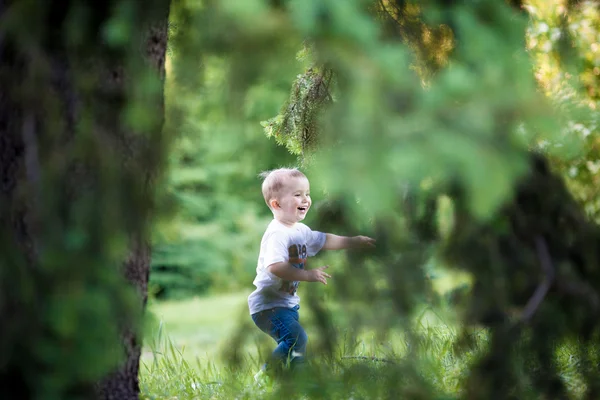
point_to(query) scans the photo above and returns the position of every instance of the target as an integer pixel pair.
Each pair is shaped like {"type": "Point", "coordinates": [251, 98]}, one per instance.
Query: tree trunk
{"type": "Point", "coordinates": [81, 146]}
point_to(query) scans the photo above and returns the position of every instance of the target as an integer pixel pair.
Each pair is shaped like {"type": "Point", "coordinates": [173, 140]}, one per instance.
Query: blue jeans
{"type": "Point", "coordinates": [283, 326]}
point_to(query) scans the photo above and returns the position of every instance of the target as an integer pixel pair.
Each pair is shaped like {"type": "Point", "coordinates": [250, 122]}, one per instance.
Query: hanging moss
{"type": "Point", "coordinates": [295, 126]}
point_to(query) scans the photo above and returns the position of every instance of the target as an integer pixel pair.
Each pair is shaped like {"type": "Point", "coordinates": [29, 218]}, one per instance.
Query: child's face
{"type": "Point", "coordinates": [293, 201]}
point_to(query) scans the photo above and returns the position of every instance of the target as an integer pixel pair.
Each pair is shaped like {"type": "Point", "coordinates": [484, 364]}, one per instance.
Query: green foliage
{"type": "Point", "coordinates": [383, 109]}
{"type": "Point", "coordinates": [570, 80]}
{"type": "Point", "coordinates": [432, 101]}
{"type": "Point", "coordinates": [210, 242]}
{"type": "Point", "coordinates": [296, 126]}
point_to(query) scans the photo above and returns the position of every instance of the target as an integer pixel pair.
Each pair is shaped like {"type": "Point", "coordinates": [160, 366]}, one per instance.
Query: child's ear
{"type": "Point", "coordinates": [274, 203]}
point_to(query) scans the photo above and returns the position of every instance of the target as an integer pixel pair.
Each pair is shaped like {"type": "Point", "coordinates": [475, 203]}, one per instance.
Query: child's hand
{"type": "Point", "coordinates": [362, 242]}
{"type": "Point", "coordinates": [318, 275]}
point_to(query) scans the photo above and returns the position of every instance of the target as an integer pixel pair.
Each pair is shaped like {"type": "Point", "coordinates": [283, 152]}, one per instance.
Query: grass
{"type": "Point", "coordinates": [207, 348]}
{"type": "Point", "coordinates": [188, 353]}
{"type": "Point", "coordinates": [197, 327]}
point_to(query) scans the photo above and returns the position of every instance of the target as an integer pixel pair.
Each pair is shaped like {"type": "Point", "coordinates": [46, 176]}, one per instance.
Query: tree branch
{"type": "Point", "coordinates": [541, 291]}
{"type": "Point", "coordinates": [33, 173]}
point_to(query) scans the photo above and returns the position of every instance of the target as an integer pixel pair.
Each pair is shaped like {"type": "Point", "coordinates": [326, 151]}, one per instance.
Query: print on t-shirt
{"type": "Point", "coordinates": [297, 257]}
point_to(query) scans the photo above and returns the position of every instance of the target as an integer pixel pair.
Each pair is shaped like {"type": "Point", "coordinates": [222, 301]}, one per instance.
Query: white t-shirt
{"type": "Point", "coordinates": [282, 244]}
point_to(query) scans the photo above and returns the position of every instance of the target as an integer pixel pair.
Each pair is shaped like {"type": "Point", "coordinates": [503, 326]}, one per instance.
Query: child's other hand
{"type": "Point", "coordinates": [318, 275]}
{"type": "Point", "coordinates": [362, 242]}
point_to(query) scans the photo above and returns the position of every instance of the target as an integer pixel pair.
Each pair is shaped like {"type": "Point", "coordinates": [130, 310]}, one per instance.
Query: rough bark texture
{"type": "Point", "coordinates": [48, 80]}
{"type": "Point", "coordinates": [124, 383]}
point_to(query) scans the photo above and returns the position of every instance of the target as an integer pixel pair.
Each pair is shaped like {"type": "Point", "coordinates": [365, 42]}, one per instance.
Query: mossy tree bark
{"type": "Point", "coordinates": [81, 148]}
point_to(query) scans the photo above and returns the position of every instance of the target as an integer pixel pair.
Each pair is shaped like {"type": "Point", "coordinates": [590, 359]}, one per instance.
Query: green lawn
{"type": "Point", "coordinates": [198, 327]}
{"type": "Point", "coordinates": [203, 331]}
{"type": "Point", "coordinates": [203, 327]}
{"type": "Point", "coordinates": [190, 361]}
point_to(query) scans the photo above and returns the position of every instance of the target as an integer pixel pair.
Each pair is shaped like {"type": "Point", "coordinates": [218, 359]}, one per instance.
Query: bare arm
{"type": "Point", "coordinates": [335, 242]}
{"type": "Point", "coordinates": [286, 271]}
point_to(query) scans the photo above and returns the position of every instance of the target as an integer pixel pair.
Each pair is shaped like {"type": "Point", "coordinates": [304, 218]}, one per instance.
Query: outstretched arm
{"type": "Point", "coordinates": [287, 272]}
{"type": "Point", "coordinates": [335, 242]}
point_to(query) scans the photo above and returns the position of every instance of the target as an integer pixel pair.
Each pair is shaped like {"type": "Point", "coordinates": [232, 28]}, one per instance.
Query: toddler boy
{"type": "Point", "coordinates": [284, 248]}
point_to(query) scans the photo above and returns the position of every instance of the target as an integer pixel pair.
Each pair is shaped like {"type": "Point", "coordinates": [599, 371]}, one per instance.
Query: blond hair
{"type": "Point", "coordinates": [274, 180]}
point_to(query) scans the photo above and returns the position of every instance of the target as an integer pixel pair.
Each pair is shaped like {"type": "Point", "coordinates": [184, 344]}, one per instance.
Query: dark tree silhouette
{"type": "Point", "coordinates": [81, 149]}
